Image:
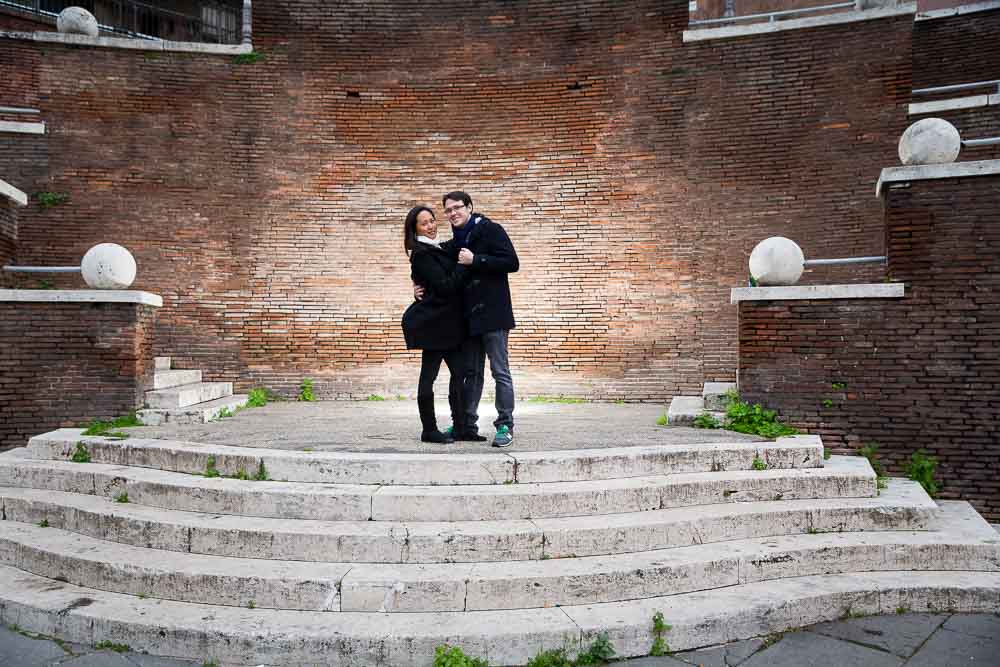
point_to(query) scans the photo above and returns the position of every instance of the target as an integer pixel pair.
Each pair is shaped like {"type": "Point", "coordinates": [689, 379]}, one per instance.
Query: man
{"type": "Point", "coordinates": [484, 247]}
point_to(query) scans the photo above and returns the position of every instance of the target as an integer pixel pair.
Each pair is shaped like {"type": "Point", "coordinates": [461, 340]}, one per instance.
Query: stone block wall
{"type": "Point", "coordinates": [633, 172]}
{"type": "Point", "coordinates": [918, 372]}
{"type": "Point", "coordinates": [65, 364]}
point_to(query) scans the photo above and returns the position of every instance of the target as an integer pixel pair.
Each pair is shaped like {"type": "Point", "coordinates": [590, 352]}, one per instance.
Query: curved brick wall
{"type": "Point", "coordinates": [633, 172]}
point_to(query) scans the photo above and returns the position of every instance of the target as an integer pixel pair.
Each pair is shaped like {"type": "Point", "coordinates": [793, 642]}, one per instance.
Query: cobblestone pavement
{"type": "Point", "coordinates": [914, 640]}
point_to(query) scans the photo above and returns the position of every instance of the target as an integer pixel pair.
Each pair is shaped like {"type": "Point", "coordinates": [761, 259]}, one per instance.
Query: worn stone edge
{"type": "Point", "coordinates": [13, 193]}
{"type": "Point", "coordinates": [953, 104]}
{"type": "Point", "coordinates": [17, 127]}
{"type": "Point", "coordinates": [703, 34]}
{"type": "Point", "coordinates": [925, 172]}
{"type": "Point", "coordinates": [129, 44]}
{"type": "Point", "coordinates": [81, 296]}
{"type": "Point", "coordinates": [809, 292]}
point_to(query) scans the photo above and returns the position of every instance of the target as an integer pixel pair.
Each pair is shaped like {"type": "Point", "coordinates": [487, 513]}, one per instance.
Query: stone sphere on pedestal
{"type": "Point", "coordinates": [77, 21]}
{"type": "Point", "coordinates": [777, 261]}
{"type": "Point", "coordinates": [108, 266]}
{"type": "Point", "coordinates": [930, 141]}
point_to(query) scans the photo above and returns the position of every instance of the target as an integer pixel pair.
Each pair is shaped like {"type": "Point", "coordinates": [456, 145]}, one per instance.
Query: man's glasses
{"type": "Point", "coordinates": [454, 209]}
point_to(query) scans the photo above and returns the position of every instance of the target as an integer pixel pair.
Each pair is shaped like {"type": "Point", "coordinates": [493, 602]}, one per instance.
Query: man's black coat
{"type": "Point", "coordinates": [487, 293]}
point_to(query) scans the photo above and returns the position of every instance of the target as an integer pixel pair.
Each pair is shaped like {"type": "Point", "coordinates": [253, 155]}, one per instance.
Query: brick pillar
{"type": "Point", "coordinates": [68, 357]}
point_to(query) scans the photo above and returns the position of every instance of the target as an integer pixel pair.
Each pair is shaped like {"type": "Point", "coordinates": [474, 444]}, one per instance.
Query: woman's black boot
{"type": "Point", "coordinates": [429, 422]}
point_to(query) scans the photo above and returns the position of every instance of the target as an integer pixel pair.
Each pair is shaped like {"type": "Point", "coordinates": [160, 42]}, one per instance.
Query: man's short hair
{"type": "Point", "coordinates": [458, 195]}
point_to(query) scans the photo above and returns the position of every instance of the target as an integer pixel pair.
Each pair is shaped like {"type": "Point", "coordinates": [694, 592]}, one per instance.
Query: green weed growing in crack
{"type": "Point", "coordinates": [902, 610]}
{"type": "Point", "coordinates": [706, 420]}
{"type": "Point", "coordinates": [107, 429]}
{"type": "Point", "coordinates": [306, 391]}
{"type": "Point", "coordinates": [827, 453]}
{"type": "Point", "coordinates": [827, 403]}
{"type": "Point", "coordinates": [261, 474]}
{"type": "Point", "coordinates": [660, 628]}
{"type": "Point", "coordinates": [210, 469]}
{"type": "Point", "coordinates": [599, 652]}
{"type": "Point", "coordinates": [211, 662]}
{"type": "Point", "coordinates": [121, 498]}
{"type": "Point", "coordinates": [375, 397]}
{"type": "Point", "coordinates": [453, 656]}
{"type": "Point", "coordinates": [241, 474]}
{"type": "Point", "coordinates": [661, 420]}
{"type": "Point", "coordinates": [771, 640]}
{"type": "Point", "coordinates": [921, 468]}
{"type": "Point", "coordinates": [758, 463]}
{"type": "Point", "coordinates": [252, 604]}
{"type": "Point", "coordinates": [257, 398]}
{"type": "Point", "coordinates": [44, 523]}
{"type": "Point", "coordinates": [80, 454]}
{"type": "Point", "coordinates": [111, 646]}
{"type": "Point", "coordinates": [224, 413]}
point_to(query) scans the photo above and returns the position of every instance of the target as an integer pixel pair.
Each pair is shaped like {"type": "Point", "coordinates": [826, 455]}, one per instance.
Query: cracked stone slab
{"type": "Point", "coordinates": [901, 635]}
{"type": "Point", "coordinates": [804, 649]}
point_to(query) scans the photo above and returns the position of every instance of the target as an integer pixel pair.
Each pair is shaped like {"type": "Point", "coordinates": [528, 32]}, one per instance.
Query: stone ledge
{"type": "Point", "coordinates": [81, 296]}
{"type": "Point", "coordinates": [133, 44]}
{"type": "Point", "coordinates": [812, 292]}
{"type": "Point", "coordinates": [924, 172]}
{"type": "Point", "coordinates": [956, 11]}
{"type": "Point", "coordinates": [21, 128]}
{"type": "Point", "coordinates": [13, 193]}
{"type": "Point", "coordinates": [702, 34]}
{"type": "Point", "coordinates": [954, 104]}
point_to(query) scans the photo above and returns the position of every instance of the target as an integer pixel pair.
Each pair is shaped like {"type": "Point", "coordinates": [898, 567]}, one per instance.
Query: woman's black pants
{"type": "Point", "coordinates": [430, 364]}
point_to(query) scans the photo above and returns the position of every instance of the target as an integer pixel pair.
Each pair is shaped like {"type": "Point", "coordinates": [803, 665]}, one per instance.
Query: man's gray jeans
{"type": "Point", "coordinates": [492, 344]}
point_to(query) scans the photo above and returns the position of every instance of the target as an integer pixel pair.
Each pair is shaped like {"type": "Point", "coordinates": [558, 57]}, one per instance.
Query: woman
{"type": "Point", "coordinates": [435, 323]}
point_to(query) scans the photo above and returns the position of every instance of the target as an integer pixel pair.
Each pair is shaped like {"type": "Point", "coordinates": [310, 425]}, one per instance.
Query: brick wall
{"type": "Point", "coordinates": [958, 49]}
{"type": "Point", "coordinates": [920, 372]}
{"type": "Point", "coordinates": [8, 237]}
{"type": "Point", "coordinates": [65, 364]}
{"type": "Point", "coordinates": [633, 172]}
{"type": "Point", "coordinates": [12, 19]}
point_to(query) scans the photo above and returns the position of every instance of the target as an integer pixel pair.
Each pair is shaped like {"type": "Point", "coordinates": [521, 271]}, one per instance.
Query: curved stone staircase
{"type": "Point", "coordinates": [376, 559]}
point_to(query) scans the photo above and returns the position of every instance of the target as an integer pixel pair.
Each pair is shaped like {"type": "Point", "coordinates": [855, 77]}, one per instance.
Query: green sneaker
{"type": "Point", "coordinates": [504, 437]}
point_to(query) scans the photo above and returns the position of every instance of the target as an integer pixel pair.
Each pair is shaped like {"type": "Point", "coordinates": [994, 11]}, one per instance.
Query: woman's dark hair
{"type": "Point", "coordinates": [410, 227]}
{"type": "Point", "coordinates": [458, 195]}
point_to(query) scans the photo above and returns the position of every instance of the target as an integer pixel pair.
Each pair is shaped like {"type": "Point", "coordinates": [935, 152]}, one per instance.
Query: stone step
{"type": "Point", "coordinates": [684, 410]}
{"type": "Point", "coordinates": [188, 394]}
{"type": "Point", "coordinates": [903, 506]}
{"type": "Point", "coordinates": [242, 636]}
{"type": "Point", "coordinates": [199, 413]}
{"type": "Point", "coordinates": [714, 395]}
{"type": "Point", "coordinates": [446, 468]}
{"type": "Point", "coordinates": [844, 477]}
{"type": "Point", "coordinates": [161, 363]}
{"type": "Point", "coordinates": [175, 378]}
{"type": "Point", "coordinates": [962, 541]}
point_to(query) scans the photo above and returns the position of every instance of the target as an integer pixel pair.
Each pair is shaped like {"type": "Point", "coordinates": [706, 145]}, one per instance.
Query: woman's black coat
{"type": "Point", "coordinates": [436, 321]}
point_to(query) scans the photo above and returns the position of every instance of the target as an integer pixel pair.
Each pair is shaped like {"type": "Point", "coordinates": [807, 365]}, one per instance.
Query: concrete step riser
{"type": "Point", "coordinates": [253, 637]}
{"type": "Point", "coordinates": [486, 503]}
{"type": "Point", "coordinates": [51, 553]}
{"type": "Point", "coordinates": [162, 363]}
{"type": "Point", "coordinates": [183, 396]}
{"type": "Point", "coordinates": [373, 542]}
{"type": "Point", "coordinates": [164, 379]}
{"type": "Point", "coordinates": [408, 469]}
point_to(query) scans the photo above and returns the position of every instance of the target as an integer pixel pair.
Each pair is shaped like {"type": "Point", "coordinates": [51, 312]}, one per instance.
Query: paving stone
{"type": "Point", "coordinates": [901, 634]}
{"type": "Point", "coordinates": [16, 649]}
{"type": "Point", "coordinates": [98, 659]}
{"type": "Point", "coordinates": [980, 625]}
{"type": "Point", "coordinates": [955, 649]}
{"type": "Point", "coordinates": [140, 660]}
{"type": "Point", "coordinates": [651, 661]}
{"type": "Point", "coordinates": [727, 655]}
{"type": "Point", "coordinates": [807, 649]}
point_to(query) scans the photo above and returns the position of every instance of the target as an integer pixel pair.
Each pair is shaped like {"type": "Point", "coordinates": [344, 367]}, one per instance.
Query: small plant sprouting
{"type": "Point", "coordinates": [45, 284]}
{"type": "Point", "coordinates": [659, 647]}
{"type": "Point", "coordinates": [223, 414]}
{"type": "Point", "coordinates": [106, 429]}
{"type": "Point", "coordinates": [706, 420]}
{"type": "Point", "coordinates": [50, 199]}
{"type": "Point", "coordinates": [241, 474]}
{"type": "Point", "coordinates": [211, 662]}
{"type": "Point", "coordinates": [306, 391]}
{"type": "Point", "coordinates": [142, 595]}
{"type": "Point", "coordinates": [251, 605]}
{"type": "Point", "coordinates": [827, 403]}
{"type": "Point", "coordinates": [80, 454]}
{"type": "Point", "coordinates": [121, 498]}
{"type": "Point", "coordinates": [375, 397]}
{"type": "Point", "coordinates": [556, 399]}
{"type": "Point", "coordinates": [902, 610]}
{"type": "Point", "coordinates": [759, 463]}
{"type": "Point", "coordinates": [599, 652]}
{"type": "Point", "coordinates": [249, 58]}
{"type": "Point", "coordinates": [921, 468]}
{"type": "Point", "coordinates": [257, 398]}
{"type": "Point", "coordinates": [745, 418]}
{"type": "Point", "coordinates": [261, 474]}
{"type": "Point", "coordinates": [44, 523]}
{"type": "Point", "coordinates": [812, 531]}
{"type": "Point", "coordinates": [111, 646]}
{"type": "Point", "coordinates": [210, 469]}
{"type": "Point", "coordinates": [453, 656]}
{"type": "Point", "coordinates": [870, 452]}
{"type": "Point", "coordinates": [661, 420]}
{"type": "Point", "coordinates": [838, 386]}
{"type": "Point", "coordinates": [827, 453]}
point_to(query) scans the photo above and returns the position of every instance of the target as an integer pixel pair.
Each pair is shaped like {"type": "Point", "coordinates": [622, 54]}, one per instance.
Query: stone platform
{"type": "Point", "coordinates": [324, 533]}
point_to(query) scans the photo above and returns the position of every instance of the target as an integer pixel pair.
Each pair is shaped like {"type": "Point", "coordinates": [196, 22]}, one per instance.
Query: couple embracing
{"type": "Point", "coordinates": [462, 316]}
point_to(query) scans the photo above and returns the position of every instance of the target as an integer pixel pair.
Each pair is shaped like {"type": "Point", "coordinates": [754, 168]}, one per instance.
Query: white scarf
{"type": "Point", "coordinates": [429, 241]}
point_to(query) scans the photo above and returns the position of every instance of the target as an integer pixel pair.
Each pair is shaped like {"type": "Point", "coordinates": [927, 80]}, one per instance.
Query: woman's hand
{"type": "Point", "coordinates": [465, 257]}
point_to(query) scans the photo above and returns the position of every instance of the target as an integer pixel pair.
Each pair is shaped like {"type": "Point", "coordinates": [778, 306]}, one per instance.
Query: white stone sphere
{"type": "Point", "coordinates": [930, 141]}
{"type": "Point", "coordinates": [108, 266]}
{"type": "Point", "coordinates": [77, 21]}
{"type": "Point", "coordinates": [777, 261]}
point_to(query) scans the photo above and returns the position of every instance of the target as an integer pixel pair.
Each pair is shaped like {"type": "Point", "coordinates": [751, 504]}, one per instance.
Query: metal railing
{"type": "Point", "coordinates": [989, 141]}
{"type": "Point", "coordinates": [219, 23]}
{"type": "Point", "coordinates": [773, 16]}
{"type": "Point", "coordinates": [957, 87]}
